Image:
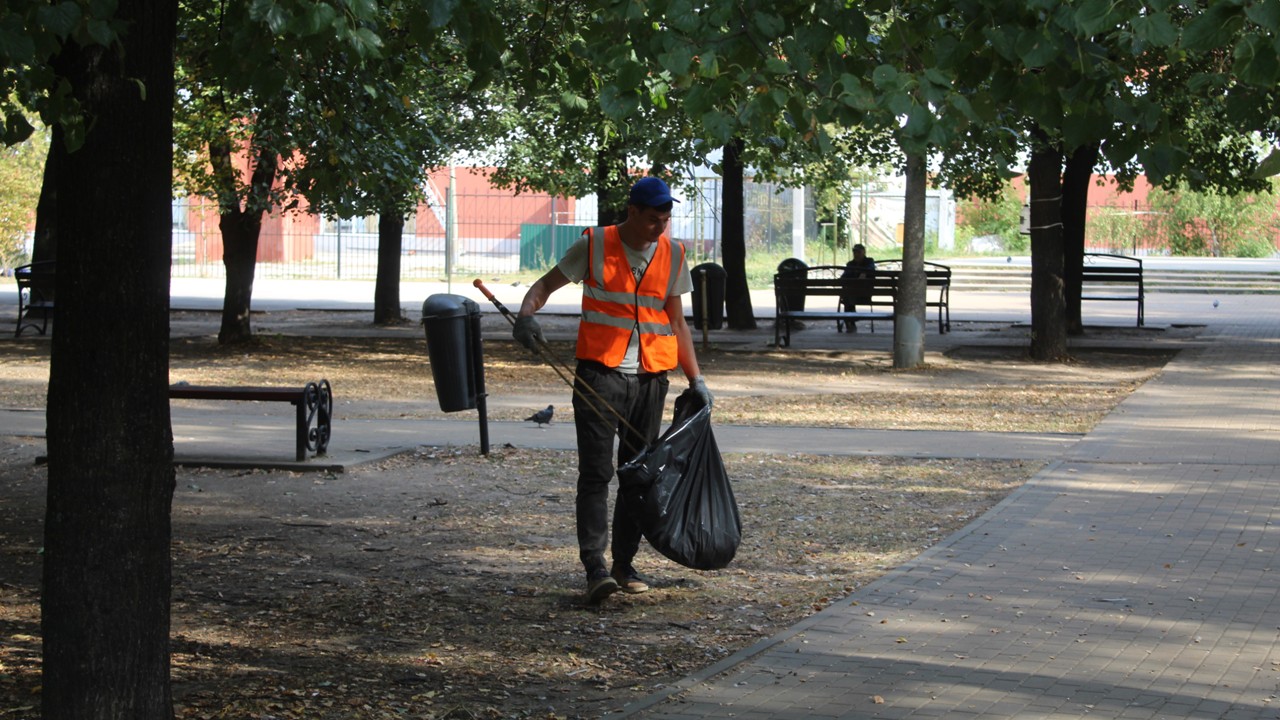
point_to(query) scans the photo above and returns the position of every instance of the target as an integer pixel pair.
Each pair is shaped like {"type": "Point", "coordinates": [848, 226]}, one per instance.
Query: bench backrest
{"type": "Point", "coordinates": [37, 279]}
{"type": "Point", "coordinates": [878, 287]}
{"type": "Point", "coordinates": [1106, 268]}
{"type": "Point", "coordinates": [790, 287]}
{"type": "Point", "coordinates": [935, 274]}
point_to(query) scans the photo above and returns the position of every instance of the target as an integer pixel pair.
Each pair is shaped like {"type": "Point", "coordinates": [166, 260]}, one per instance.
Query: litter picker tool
{"type": "Point", "coordinates": [563, 370]}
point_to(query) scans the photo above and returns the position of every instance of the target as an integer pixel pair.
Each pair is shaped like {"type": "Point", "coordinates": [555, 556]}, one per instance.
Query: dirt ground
{"type": "Point", "coordinates": [445, 584]}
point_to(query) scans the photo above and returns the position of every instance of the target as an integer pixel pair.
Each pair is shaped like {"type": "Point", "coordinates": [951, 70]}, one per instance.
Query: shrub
{"type": "Point", "coordinates": [1000, 218]}
{"type": "Point", "coordinates": [1216, 224]}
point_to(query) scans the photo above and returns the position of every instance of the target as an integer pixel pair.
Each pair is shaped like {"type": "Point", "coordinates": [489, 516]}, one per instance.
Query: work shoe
{"type": "Point", "coordinates": [629, 580]}
{"type": "Point", "coordinates": [600, 585]}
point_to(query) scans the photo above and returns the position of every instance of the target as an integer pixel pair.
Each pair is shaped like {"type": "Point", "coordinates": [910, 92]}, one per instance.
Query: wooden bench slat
{"type": "Point", "coordinates": [218, 392]}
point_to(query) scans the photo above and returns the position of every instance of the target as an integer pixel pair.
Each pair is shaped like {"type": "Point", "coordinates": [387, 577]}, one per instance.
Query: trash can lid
{"type": "Point", "coordinates": [446, 305]}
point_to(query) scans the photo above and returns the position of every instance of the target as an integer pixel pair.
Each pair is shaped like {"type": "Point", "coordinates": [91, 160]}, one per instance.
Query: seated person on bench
{"type": "Point", "coordinates": [861, 267]}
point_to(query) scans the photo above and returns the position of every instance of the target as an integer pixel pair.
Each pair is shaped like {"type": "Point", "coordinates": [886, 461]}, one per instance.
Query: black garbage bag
{"type": "Point", "coordinates": [681, 494]}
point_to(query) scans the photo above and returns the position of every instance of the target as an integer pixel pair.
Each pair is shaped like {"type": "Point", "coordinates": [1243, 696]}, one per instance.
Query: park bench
{"type": "Point", "coordinates": [1101, 274]}
{"type": "Point", "coordinates": [877, 289]}
{"type": "Point", "coordinates": [937, 280]}
{"type": "Point", "coordinates": [313, 403]}
{"type": "Point", "coordinates": [35, 296]}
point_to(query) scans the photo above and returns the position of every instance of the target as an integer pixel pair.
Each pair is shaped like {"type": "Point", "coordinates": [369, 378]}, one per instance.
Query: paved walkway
{"type": "Point", "coordinates": [1137, 576]}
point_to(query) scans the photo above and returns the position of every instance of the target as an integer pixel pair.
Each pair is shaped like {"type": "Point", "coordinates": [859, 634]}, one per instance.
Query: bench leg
{"type": "Point", "coordinates": [301, 431]}
{"type": "Point", "coordinates": [782, 332]}
{"type": "Point", "coordinates": [319, 406]}
{"type": "Point", "coordinates": [316, 406]}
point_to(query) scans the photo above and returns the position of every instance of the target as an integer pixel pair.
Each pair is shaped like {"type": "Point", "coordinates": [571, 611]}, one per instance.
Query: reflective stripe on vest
{"type": "Point", "coordinates": [613, 304]}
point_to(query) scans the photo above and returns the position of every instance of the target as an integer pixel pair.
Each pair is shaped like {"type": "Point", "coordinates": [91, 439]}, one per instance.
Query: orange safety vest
{"type": "Point", "coordinates": [614, 304]}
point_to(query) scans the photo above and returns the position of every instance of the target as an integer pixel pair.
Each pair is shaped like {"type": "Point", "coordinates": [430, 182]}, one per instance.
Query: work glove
{"type": "Point", "coordinates": [699, 385]}
{"type": "Point", "coordinates": [528, 332]}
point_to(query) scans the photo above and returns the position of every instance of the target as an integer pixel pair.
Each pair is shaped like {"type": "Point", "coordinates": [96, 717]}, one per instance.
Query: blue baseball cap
{"type": "Point", "coordinates": [650, 192]}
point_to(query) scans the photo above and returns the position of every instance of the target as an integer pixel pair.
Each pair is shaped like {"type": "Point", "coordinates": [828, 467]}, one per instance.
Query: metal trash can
{"type": "Point", "coordinates": [708, 290]}
{"type": "Point", "coordinates": [794, 301]}
{"type": "Point", "coordinates": [452, 325]}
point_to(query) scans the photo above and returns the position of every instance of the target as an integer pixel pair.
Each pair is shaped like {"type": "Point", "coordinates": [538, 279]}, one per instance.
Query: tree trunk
{"type": "Point", "coordinates": [1076, 178]}
{"type": "Point", "coordinates": [240, 231]}
{"type": "Point", "coordinates": [45, 243]}
{"type": "Point", "coordinates": [1048, 308]}
{"type": "Point", "coordinates": [908, 306]}
{"type": "Point", "coordinates": [611, 185]}
{"type": "Point", "coordinates": [106, 582]}
{"type": "Point", "coordinates": [241, 228]}
{"type": "Point", "coordinates": [386, 289]}
{"type": "Point", "coordinates": [733, 242]}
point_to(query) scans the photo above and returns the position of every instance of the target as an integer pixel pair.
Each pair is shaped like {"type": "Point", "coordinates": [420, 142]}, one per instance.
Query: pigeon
{"type": "Point", "coordinates": [543, 417]}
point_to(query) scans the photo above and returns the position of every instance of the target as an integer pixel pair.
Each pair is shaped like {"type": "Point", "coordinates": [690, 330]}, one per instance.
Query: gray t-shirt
{"type": "Point", "coordinates": [574, 267]}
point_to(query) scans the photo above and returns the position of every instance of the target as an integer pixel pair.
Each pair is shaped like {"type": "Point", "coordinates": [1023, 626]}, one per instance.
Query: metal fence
{"type": "Point", "coordinates": [495, 233]}
{"type": "Point", "coordinates": [1129, 229]}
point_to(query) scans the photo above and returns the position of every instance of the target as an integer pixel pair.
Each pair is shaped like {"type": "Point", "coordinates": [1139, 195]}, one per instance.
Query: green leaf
{"type": "Point", "coordinates": [769, 25]}
{"type": "Point", "coordinates": [100, 32]}
{"type": "Point", "coordinates": [60, 19]}
{"type": "Point", "coordinates": [937, 78]}
{"type": "Point", "coordinates": [618, 105]}
{"type": "Point", "coordinates": [1079, 129]}
{"type": "Point", "coordinates": [315, 20]}
{"type": "Point", "coordinates": [1265, 13]}
{"type": "Point", "coordinates": [362, 10]}
{"type": "Point", "coordinates": [271, 13]}
{"type": "Point", "coordinates": [708, 65]}
{"type": "Point", "coordinates": [629, 73]}
{"type": "Point", "coordinates": [1002, 40]}
{"type": "Point", "coordinates": [1214, 28]}
{"type": "Point", "coordinates": [366, 42]}
{"type": "Point", "coordinates": [1035, 49]}
{"type": "Point", "coordinates": [965, 108]}
{"type": "Point", "coordinates": [573, 101]}
{"type": "Point", "coordinates": [885, 76]}
{"type": "Point", "coordinates": [1256, 61]}
{"type": "Point", "coordinates": [18, 46]}
{"type": "Point", "coordinates": [1270, 165]}
{"type": "Point", "coordinates": [1006, 172]}
{"type": "Point", "coordinates": [677, 61]}
{"type": "Point", "coordinates": [1159, 161]}
{"type": "Point", "coordinates": [16, 129]}
{"type": "Point", "coordinates": [1156, 29]}
{"type": "Point", "coordinates": [697, 101]}
{"type": "Point", "coordinates": [1094, 16]}
{"type": "Point", "coordinates": [777, 66]}
{"type": "Point", "coordinates": [681, 15]}
{"type": "Point", "coordinates": [440, 11]}
{"type": "Point", "coordinates": [920, 122]}
{"type": "Point", "coordinates": [898, 103]}
{"type": "Point", "coordinates": [270, 80]}
{"type": "Point", "coordinates": [797, 57]}
{"type": "Point", "coordinates": [718, 126]}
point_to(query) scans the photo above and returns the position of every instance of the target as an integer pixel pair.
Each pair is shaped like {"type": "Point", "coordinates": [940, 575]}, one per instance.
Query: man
{"type": "Point", "coordinates": [860, 267]}
{"type": "Point", "coordinates": [632, 331]}
{"type": "Point", "coordinates": [860, 260]}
